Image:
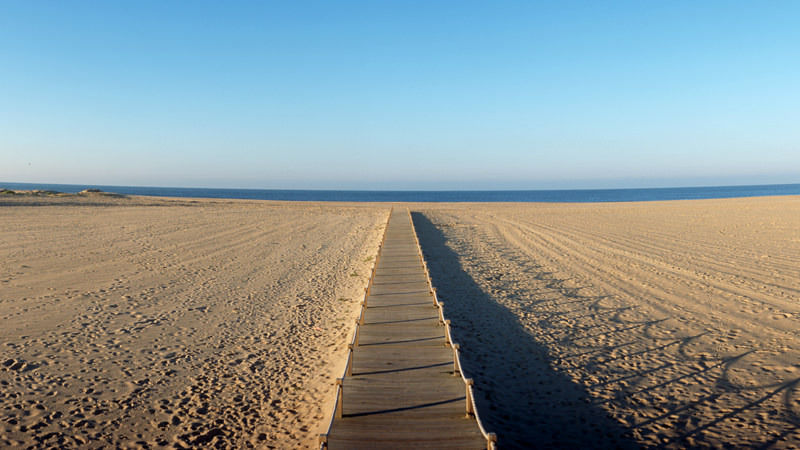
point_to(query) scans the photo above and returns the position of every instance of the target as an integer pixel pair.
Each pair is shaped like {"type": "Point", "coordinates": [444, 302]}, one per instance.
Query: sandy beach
{"type": "Point", "coordinates": [140, 322]}
{"type": "Point", "coordinates": [136, 322]}
{"type": "Point", "coordinates": [678, 321]}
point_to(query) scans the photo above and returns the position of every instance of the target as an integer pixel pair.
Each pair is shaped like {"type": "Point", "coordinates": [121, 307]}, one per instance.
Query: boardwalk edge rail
{"type": "Point", "coordinates": [471, 409]}
{"type": "Point", "coordinates": [348, 367]}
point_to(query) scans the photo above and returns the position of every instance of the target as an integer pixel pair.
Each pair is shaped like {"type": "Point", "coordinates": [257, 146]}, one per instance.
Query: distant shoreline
{"type": "Point", "coordinates": [490, 196]}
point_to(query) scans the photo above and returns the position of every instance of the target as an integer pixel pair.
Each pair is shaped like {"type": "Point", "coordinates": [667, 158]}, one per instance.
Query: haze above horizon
{"type": "Point", "coordinates": [400, 95]}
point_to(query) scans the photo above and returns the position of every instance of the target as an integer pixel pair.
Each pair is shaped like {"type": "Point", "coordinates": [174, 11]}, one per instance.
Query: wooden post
{"type": "Point", "coordinates": [340, 399]}
{"type": "Point", "coordinates": [491, 441]}
{"type": "Point", "coordinates": [470, 410]}
{"type": "Point", "coordinates": [446, 334]}
{"type": "Point", "coordinates": [355, 341]}
{"type": "Point", "coordinates": [349, 370]}
{"type": "Point", "coordinates": [363, 313]}
{"type": "Point", "coordinates": [456, 369]}
{"type": "Point", "coordinates": [433, 293]}
{"type": "Point", "coordinates": [441, 313]}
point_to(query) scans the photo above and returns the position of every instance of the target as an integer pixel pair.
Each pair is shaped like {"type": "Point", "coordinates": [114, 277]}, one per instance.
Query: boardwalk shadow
{"type": "Point", "coordinates": [522, 398]}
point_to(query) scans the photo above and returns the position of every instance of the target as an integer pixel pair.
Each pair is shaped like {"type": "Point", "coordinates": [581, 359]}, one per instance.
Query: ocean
{"type": "Point", "coordinates": [563, 195]}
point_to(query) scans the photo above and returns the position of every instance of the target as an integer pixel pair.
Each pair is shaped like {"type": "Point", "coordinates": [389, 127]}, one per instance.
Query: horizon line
{"type": "Point", "coordinates": [2, 182]}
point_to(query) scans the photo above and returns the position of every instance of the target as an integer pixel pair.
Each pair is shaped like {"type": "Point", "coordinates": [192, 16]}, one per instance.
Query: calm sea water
{"type": "Point", "coordinates": [572, 196]}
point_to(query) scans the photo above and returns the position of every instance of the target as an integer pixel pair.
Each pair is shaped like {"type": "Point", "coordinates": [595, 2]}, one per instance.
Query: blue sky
{"type": "Point", "coordinates": [400, 95]}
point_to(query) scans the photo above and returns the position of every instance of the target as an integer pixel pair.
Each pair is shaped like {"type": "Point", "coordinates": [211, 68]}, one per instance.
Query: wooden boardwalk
{"type": "Point", "coordinates": [402, 388]}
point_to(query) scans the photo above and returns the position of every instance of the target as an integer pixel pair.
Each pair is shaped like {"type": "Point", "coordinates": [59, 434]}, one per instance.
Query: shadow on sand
{"type": "Point", "coordinates": [522, 398]}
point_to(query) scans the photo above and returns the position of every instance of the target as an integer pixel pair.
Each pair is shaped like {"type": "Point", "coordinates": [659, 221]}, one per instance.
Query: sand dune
{"type": "Point", "coordinates": [678, 320]}
{"type": "Point", "coordinates": [135, 322]}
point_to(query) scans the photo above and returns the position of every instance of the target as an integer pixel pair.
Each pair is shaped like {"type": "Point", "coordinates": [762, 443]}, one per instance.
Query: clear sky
{"type": "Point", "coordinates": [400, 94]}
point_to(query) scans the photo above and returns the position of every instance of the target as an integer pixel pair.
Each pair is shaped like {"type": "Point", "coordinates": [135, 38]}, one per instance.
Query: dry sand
{"type": "Point", "coordinates": [659, 324]}
{"type": "Point", "coordinates": [129, 322]}
{"type": "Point", "coordinates": [135, 322]}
